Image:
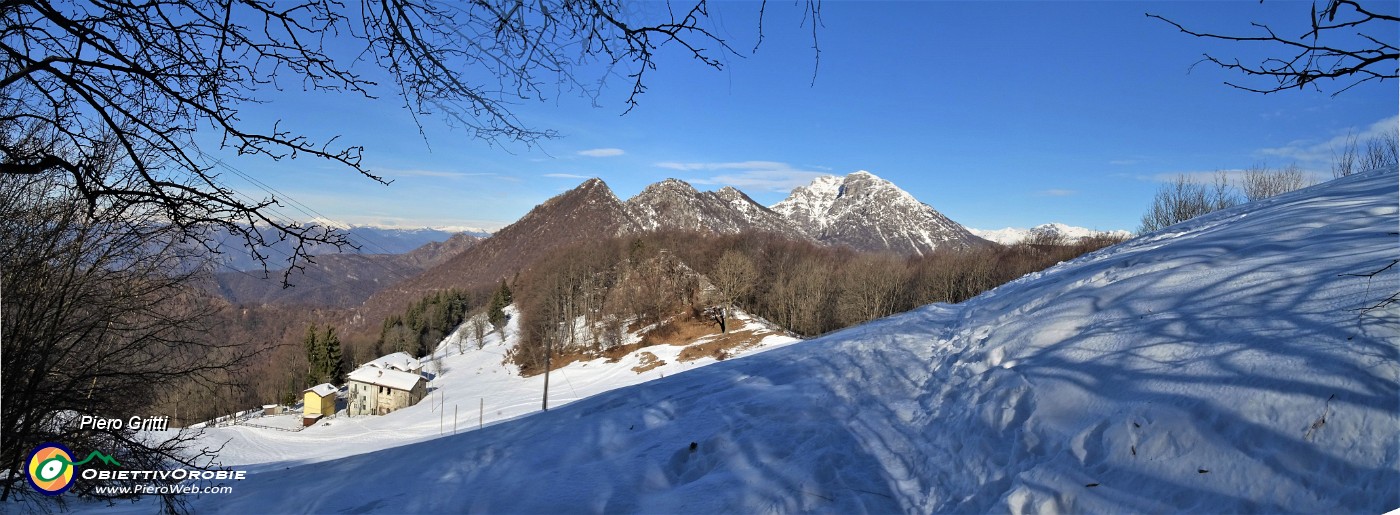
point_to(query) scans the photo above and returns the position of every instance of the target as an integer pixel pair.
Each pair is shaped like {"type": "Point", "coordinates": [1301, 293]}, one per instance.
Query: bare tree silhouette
{"type": "Point", "coordinates": [144, 77]}
{"type": "Point", "coordinates": [1346, 42]}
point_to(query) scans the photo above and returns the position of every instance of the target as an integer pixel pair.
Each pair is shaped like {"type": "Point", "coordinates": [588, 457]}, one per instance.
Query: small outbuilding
{"type": "Point", "coordinates": [318, 402]}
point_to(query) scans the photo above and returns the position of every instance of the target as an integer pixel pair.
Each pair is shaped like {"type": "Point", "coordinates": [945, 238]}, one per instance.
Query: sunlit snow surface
{"type": "Point", "coordinates": [1189, 370]}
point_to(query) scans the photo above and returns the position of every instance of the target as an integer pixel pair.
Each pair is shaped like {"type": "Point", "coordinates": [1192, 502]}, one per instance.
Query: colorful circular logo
{"type": "Point", "coordinates": [51, 468]}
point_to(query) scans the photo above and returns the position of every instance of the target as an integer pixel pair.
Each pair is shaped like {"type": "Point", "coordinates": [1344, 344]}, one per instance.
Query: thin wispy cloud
{"type": "Point", "coordinates": [757, 176]}
{"type": "Point", "coordinates": [1315, 154]}
{"type": "Point", "coordinates": [441, 174]}
{"type": "Point", "coordinates": [566, 176]}
{"type": "Point", "coordinates": [1123, 162]}
{"type": "Point", "coordinates": [1193, 175]}
{"type": "Point", "coordinates": [1233, 176]}
{"type": "Point", "coordinates": [1314, 157]}
{"type": "Point", "coordinates": [1056, 192]}
{"type": "Point", "coordinates": [601, 152]}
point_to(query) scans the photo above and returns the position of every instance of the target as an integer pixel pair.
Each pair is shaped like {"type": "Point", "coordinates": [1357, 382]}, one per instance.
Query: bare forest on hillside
{"type": "Point", "coordinates": [582, 300]}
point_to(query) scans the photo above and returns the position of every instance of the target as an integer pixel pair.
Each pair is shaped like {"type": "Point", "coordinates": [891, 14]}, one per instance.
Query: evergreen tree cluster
{"type": "Point", "coordinates": [324, 363]}
{"type": "Point", "coordinates": [495, 313]}
{"type": "Point", "coordinates": [426, 322]}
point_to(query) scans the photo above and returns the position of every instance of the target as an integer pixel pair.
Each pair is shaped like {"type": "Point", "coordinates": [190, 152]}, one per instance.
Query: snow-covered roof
{"type": "Point", "coordinates": [397, 361]}
{"type": "Point", "coordinates": [322, 389]}
{"type": "Point", "coordinates": [385, 377]}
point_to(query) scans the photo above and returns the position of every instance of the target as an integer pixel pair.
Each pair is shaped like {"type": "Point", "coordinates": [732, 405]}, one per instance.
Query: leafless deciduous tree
{"type": "Point", "coordinates": [98, 320]}
{"type": "Point", "coordinates": [1344, 159]}
{"type": "Point", "coordinates": [1260, 182]}
{"type": "Point", "coordinates": [142, 78]}
{"type": "Point", "coordinates": [1346, 41]}
{"type": "Point", "coordinates": [1382, 151]}
{"type": "Point", "coordinates": [734, 277]}
{"type": "Point", "coordinates": [1185, 198]}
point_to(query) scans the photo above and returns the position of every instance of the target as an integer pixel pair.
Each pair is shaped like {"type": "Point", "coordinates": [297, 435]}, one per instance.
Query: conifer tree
{"type": "Point", "coordinates": [334, 370]}
{"type": "Point", "coordinates": [315, 357]}
{"type": "Point", "coordinates": [502, 298]}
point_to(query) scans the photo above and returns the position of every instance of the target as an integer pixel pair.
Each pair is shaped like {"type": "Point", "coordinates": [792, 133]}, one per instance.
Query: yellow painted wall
{"type": "Point", "coordinates": [314, 405]}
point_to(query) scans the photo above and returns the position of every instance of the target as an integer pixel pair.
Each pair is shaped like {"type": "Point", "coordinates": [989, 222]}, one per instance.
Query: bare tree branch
{"type": "Point", "coordinates": [1323, 53]}
{"type": "Point", "coordinates": [149, 76]}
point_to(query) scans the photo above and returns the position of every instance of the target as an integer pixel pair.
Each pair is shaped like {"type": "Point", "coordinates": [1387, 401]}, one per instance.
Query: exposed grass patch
{"type": "Point", "coordinates": [722, 346]}
{"type": "Point", "coordinates": [679, 330]}
{"type": "Point", "coordinates": [648, 362]}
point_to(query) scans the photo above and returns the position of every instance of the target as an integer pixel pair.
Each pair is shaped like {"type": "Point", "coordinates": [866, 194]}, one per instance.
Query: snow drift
{"type": "Point", "coordinates": [1220, 365]}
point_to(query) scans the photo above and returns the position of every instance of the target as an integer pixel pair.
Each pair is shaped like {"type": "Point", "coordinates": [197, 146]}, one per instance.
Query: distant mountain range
{"type": "Point", "coordinates": [860, 211]}
{"type": "Point", "coordinates": [370, 239]}
{"type": "Point", "coordinates": [1013, 235]}
{"type": "Point", "coordinates": [337, 280]}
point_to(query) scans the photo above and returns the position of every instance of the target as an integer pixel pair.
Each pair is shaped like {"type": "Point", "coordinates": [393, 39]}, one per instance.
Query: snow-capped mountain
{"type": "Point", "coordinates": [405, 229]}
{"type": "Point", "coordinates": [1069, 233]}
{"type": "Point", "coordinates": [674, 204]}
{"type": "Point", "coordinates": [1225, 364]}
{"type": "Point", "coordinates": [866, 212]}
{"type": "Point", "coordinates": [860, 210]}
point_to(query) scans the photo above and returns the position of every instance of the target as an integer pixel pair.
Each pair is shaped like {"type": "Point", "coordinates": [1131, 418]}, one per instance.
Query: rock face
{"type": "Point", "coordinates": [866, 212]}
{"type": "Point", "coordinates": [859, 210]}
{"type": "Point", "coordinates": [674, 204]}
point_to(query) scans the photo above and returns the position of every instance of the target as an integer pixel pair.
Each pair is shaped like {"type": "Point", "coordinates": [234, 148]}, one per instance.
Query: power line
{"type": "Point", "coordinates": [308, 211]}
{"type": "Point", "coordinates": [311, 213]}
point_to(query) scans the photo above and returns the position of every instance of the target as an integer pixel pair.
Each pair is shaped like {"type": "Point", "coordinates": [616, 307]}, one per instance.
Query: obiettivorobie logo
{"type": "Point", "coordinates": [51, 467]}
{"type": "Point", "coordinates": [52, 471]}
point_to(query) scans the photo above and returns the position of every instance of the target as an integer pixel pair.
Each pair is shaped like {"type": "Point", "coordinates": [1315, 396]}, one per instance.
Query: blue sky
{"type": "Point", "coordinates": [995, 113]}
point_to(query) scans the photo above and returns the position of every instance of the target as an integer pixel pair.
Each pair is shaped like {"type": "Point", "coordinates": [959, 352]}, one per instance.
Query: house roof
{"type": "Point", "coordinates": [385, 377]}
{"type": "Point", "coordinates": [322, 389]}
{"type": "Point", "coordinates": [397, 361]}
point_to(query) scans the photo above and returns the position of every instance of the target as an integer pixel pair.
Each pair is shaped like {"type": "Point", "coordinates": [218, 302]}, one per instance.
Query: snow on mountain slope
{"type": "Point", "coordinates": [1014, 235]}
{"type": "Point", "coordinates": [1219, 365]}
{"type": "Point", "coordinates": [674, 204]}
{"type": "Point", "coordinates": [471, 378]}
{"type": "Point", "coordinates": [866, 212]}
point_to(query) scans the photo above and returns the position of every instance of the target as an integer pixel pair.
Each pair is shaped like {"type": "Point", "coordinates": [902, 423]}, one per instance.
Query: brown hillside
{"type": "Point", "coordinates": [590, 211]}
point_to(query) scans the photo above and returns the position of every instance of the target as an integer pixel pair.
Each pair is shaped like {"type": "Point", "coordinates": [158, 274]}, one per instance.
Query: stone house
{"type": "Point", "coordinates": [378, 391]}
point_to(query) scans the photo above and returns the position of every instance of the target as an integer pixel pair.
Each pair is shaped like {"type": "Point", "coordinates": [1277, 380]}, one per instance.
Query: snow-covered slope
{"type": "Point", "coordinates": [1014, 235]}
{"type": "Point", "coordinates": [471, 379]}
{"type": "Point", "coordinates": [1220, 365]}
{"type": "Point", "coordinates": [866, 212]}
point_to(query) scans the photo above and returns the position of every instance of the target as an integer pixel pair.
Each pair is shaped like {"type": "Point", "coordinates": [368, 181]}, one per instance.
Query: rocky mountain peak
{"type": "Point", "coordinates": [866, 212]}
{"type": "Point", "coordinates": [669, 186]}
{"type": "Point", "coordinates": [675, 204]}
{"type": "Point", "coordinates": [592, 187]}
{"type": "Point", "coordinates": [737, 198]}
